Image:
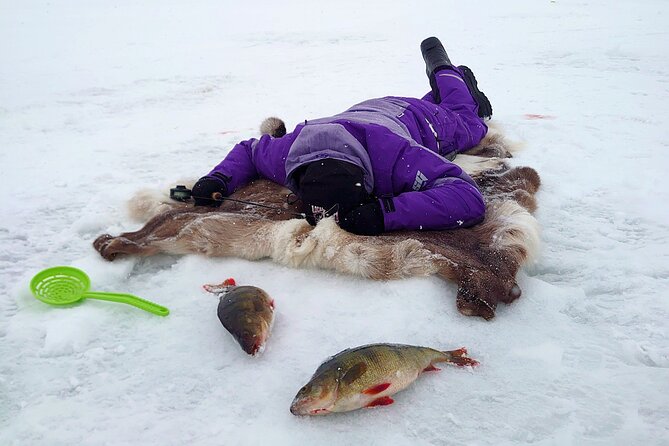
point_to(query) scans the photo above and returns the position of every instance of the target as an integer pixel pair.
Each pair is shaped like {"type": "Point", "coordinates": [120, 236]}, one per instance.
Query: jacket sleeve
{"type": "Point", "coordinates": [238, 165]}
{"type": "Point", "coordinates": [434, 194]}
{"type": "Point", "coordinates": [255, 158]}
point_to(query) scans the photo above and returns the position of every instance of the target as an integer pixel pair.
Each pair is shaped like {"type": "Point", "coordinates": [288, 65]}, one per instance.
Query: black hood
{"type": "Point", "coordinates": [330, 187]}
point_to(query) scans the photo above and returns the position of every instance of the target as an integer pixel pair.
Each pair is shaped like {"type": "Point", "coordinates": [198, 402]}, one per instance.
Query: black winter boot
{"type": "Point", "coordinates": [485, 109]}
{"type": "Point", "coordinates": [434, 55]}
{"type": "Point", "coordinates": [435, 58]}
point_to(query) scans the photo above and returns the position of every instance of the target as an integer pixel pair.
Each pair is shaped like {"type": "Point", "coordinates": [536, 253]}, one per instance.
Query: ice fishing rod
{"type": "Point", "coordinates": [183, 194]}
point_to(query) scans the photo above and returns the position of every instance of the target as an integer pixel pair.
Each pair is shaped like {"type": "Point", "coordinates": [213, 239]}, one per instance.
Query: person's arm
{"type": "Point", "coordinates": [433, 194]}
{"type": "Point", "coordinates": [235, 170]}
{"type": "Point", "coordinates": [238, 165]}
{"type": "Point", "coordinates": [430, 193]}
{"type": "Point", "coordinates": [247, 161]}
{"type": "Point", "coordinates": [447, 203]}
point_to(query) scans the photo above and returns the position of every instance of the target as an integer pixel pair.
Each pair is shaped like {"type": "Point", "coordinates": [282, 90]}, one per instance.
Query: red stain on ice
{"type": "Point", "coordinates": [536, 116]}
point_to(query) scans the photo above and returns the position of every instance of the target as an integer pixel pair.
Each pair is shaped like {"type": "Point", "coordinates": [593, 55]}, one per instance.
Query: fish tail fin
{"type": "Point", "coordinates": [221, 288]}
{"type": "Point", "coordinates": [458, 357]}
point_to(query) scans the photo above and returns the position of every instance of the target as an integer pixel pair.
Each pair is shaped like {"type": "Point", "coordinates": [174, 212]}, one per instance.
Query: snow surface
{"type": "Point", "coordinates": [101, 98]}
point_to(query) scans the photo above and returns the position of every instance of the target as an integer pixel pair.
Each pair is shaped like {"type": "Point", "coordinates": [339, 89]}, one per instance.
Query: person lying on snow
{"type": "Point", "coordinates": [382, 165]}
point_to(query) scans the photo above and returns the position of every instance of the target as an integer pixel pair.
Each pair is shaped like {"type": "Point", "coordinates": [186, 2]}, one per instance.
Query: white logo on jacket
{"type": "Point", "coordinates": [420, 181]}
{"type": "Point", "coordinates": [320, 213]}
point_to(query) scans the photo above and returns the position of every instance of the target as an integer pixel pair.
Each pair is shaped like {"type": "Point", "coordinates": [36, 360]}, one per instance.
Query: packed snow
{"type": "Point", "coordinates": [99, 99]}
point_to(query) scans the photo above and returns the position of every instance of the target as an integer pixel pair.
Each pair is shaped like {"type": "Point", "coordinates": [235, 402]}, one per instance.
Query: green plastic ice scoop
{"type": "Point", "coordinates": [64, 285]}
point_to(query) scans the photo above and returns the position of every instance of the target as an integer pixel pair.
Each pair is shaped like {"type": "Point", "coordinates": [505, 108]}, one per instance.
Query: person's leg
{"type": "Point", "coordinates": [453, 92]}
{"type": "Point", "coordinates": [461, 110]}
{"type": "Point", "coordinates": [453, 87]}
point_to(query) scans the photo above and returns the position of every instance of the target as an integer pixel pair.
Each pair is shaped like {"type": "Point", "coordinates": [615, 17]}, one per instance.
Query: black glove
{"type": "Point", "coordinates": [364, 220]}
{"type": "Point", "coordinates": [207, 186]}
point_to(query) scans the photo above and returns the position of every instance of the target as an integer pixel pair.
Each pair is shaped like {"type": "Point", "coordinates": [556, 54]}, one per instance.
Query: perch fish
{"type": "Point", "coordinates": [247, 312]}
{"type": "Point", "coordinates": [367, 376]}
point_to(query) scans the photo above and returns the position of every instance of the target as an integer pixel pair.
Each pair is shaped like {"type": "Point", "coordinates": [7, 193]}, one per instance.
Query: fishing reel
{"type": "Point", "coordinates": [181, 193]}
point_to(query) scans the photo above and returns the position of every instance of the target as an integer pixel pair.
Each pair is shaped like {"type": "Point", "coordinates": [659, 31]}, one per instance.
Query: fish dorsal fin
{"type": "Point", "coordinates": [354, 372]}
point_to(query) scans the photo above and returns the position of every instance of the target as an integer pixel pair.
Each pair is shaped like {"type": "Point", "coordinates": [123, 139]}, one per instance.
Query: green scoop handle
{"type": "Point", "coordinates": [130, 300]}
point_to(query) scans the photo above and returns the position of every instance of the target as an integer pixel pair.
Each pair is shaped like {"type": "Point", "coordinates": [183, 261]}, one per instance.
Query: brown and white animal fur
{"type": "Point", "coordinates": [482, 260]}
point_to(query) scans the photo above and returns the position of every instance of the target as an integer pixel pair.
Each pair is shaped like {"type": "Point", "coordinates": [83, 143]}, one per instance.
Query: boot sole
{"type": "Point", "coordinates": [485, 108]}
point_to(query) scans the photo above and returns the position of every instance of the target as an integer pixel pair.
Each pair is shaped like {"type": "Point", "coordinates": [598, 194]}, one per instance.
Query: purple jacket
{"type": "Point", "coordinates": [398, 142]}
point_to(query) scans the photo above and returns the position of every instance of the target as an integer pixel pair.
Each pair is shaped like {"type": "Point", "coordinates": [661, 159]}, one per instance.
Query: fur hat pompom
{"type": "Point", "coordinates": [273, 126]}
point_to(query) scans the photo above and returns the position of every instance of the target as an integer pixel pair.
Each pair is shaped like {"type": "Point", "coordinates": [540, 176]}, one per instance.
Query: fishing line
{"type": "Point", "coordinates": [183, 194]}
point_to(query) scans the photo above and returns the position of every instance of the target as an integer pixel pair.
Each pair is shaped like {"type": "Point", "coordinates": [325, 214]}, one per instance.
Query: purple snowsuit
{"type": "Point", "coordinates": [400, 144]}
